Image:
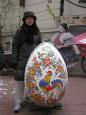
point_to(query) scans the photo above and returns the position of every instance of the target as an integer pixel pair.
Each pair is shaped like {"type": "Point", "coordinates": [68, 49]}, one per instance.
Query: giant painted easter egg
{"type": "Point", "coordinates": [45, 75]}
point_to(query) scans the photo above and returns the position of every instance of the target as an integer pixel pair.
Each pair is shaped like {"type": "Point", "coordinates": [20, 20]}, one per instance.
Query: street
{"type": "Point", "coordinates": [74, 101]}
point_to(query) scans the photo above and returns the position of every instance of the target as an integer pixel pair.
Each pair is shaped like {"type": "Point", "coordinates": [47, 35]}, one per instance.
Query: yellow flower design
{"type": "Point", "coordinates": [31, 72]}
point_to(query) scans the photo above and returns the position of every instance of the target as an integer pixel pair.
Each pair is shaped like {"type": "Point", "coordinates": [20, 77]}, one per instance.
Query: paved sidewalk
{"type": "Point", "coordinates": [74, 101]}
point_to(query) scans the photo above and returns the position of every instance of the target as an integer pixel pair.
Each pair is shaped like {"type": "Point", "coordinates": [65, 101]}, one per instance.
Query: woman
{"type": "Point", "coordinates": [63, 40]}
{"type": "Point", "coordinates": [63, 36]}
{"type": "Point", "coordinates": [25, 40]}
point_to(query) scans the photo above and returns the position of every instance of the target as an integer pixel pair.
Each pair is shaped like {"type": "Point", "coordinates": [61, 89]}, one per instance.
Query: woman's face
{"type": "Point", "coordinates": [61, 29]}
{"type": "Point", "coordinates": [29, 21]}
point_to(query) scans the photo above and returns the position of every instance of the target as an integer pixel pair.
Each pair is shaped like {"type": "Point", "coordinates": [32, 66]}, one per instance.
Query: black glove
{"type": "Point", "coordinates": [14, 65]}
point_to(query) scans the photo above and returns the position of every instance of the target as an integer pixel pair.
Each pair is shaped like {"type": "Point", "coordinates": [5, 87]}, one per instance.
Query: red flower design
{"type": "Point", "coordinates": [38, 65]}
{"type": "Point", "coordinates": [60, 69]}
{"type": "Point", "coordinates": [47, 61]}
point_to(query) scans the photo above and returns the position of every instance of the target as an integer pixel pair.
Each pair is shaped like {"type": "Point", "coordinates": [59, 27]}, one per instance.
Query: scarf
{"type": "Point", "coordinates": [29, 31]}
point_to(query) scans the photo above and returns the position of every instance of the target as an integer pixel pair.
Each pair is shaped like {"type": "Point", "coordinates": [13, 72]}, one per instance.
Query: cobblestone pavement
{"type": "Point", "coordinates": [74, 101]}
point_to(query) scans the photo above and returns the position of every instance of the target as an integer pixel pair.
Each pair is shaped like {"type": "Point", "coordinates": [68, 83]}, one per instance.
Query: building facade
{"type": "Point", "coordinates": [47, 12]}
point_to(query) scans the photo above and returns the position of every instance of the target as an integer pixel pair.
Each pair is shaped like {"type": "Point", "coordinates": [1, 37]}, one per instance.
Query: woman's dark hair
{"type": "Point", "coordinates": [65, 26]}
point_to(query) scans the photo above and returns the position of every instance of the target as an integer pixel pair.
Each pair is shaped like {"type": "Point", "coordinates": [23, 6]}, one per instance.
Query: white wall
{"type": "Point", "coordinates": [45, 20]}
{"type": "Point", "coordinates": [71, 9]}
{"type": "Point", "coordinates": [12, 18]}
{"type": "Point", "coordinates": [5, 47]}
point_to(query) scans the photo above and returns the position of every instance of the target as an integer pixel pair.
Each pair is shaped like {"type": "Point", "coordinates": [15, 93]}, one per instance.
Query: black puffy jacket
{"type": "Point", "coordinates": [21, 50]}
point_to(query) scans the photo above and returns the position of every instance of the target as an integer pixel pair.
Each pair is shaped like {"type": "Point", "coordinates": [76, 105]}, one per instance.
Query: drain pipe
{"type": "Point", "coordinates": [61, 8]}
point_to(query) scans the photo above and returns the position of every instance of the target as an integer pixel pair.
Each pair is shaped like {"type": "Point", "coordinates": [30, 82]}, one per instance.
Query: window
{"type": "Point", "coordinates": [77, 29]}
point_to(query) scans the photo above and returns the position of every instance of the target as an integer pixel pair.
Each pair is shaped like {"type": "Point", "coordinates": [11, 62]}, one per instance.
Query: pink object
{"type": "Point", "coordinates": [57, 42]}
{"type": "Point", "coordinates": [80, 40]}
